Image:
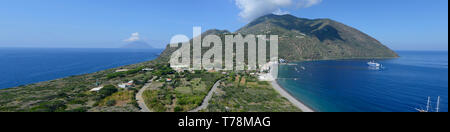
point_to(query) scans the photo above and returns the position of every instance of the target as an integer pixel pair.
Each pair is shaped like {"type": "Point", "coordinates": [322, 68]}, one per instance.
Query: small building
{"type": "Point", "coordinates": [169, 80]}
{"type": "Point", "coordinates": [180, 68]}
{"type": "Point", "coordinates": [96, 89]}
{"type": "Point", "coordinates": [126, 85]}
{"type": "Point", "coordinates": [122, 70]}
{"type": "Point", "coordinates": [147, 69]}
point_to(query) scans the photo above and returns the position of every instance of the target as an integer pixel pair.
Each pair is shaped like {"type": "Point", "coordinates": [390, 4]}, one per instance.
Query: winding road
{"type": "Point", "coordinates": [207, 98]}
{"type": "Point", "coordinates": [140, 99]}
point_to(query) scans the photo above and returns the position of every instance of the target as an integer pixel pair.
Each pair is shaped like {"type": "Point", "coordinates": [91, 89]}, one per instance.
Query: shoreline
{"type": "Point", "coordinates": [272, 76]}
{"type": "Point", "coordinates": [282, 91]}
{"type": "Point", "coordinates": [84, 71]}
{"type": "Point", "coordinates": [291, 98]}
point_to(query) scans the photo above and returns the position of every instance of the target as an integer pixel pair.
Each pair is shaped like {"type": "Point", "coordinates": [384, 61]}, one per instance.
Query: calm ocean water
{"type": "Point", "coordinates": [20, 66]}
{"type": "Point", "coordinates": [402, 84]}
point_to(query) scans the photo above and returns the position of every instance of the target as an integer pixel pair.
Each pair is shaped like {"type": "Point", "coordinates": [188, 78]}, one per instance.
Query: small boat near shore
{"type": "Point", "coordinates": [374, 64]}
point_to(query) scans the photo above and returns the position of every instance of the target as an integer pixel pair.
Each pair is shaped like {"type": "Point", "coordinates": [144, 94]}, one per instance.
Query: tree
{"type": "Point", "coordinates": [107, 91]}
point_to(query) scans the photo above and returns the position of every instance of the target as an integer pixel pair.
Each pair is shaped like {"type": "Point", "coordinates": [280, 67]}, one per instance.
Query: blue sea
{"type": "Point", "coordinates": [21, 66]}
{"type": "Point", "coordinates": [401, 85]}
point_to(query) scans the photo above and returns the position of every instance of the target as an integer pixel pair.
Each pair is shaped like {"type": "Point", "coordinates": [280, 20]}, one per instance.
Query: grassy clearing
{"type": "Point", "coordinates": [184, 93]}
{"type": "Point", "coordinates": [119, 99]}
{"type": "Point", "coordinates": [243, 93]}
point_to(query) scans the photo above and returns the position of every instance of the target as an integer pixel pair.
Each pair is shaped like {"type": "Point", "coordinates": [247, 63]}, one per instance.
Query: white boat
{"type": "Point", "coordinates": [429, 107]}
{"type": "Point", "coordinates": [374, 64]}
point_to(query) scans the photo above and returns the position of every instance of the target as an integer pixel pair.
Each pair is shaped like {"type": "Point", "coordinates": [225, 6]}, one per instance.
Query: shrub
{"type": "Point", "coordinates": [134, 71]}
{"type": "Point", "coordinates": [116, 74]}
{"type": "Point", "coordinates": [178, 109]}
{"type": "Point", "coordinates": [135, 104]}
{"type": "Point", "coordinates": [263, 83]}
{"type": "Point", "coordinates": [107, 91]}
{"type": "Point", "coordinates": [81, 109]}
{"type": "Point", "coordinates": [53, 106]}
{"type": "Point", "coordinates": [111, 102]}
{"type": "Point", "coordinates": [77, 101]}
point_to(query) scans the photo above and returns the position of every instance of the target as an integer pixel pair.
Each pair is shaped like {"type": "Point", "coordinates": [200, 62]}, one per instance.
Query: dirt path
{"type": "Point", "coordinates": [140, 99]}
{"type": "Point", "coordinates": [207, 98]}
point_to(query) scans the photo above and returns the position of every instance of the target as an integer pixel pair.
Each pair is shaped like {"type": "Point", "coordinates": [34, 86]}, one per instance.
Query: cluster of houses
{"type": "Point", "coordinates": [264, 73]}
{"type": "Point", "coordinates": [126, 85]}
{"type": "Point", "coordinates": [129, 84]}
{"type": "Point", "coordinates": [125, 70]}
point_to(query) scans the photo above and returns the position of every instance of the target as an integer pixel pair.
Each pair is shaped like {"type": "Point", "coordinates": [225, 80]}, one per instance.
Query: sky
{"type": "Point", "coordinates": [399, 24]}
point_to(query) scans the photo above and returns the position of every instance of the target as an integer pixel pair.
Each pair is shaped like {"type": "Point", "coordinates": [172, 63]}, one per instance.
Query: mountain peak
{"type": "Point", "coordinates": [302, 38]}
{"type": "Point", "coordinates": [137, 45]}
{"type": "Point", "coordinates": [215, 32]}
{"type": "Point", "coordinates": [311, 39]}
{"type": "Point", "coordinates": [275, 15]}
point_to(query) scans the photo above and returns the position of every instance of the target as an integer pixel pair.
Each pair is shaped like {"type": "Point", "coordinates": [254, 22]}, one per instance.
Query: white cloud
{"type": "Point", "coordinates": [134, 37]}
{"type": "Point", "coordinates": [281, 12]}
{"type": "Point", "coordinates": [251, 9]}
{"type": "Point", "coordinates": [307, 3]}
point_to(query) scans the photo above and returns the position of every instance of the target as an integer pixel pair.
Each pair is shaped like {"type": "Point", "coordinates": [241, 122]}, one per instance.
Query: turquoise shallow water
{"type": "Point", "coordinates": [21, 66]}
{"type": "Point", "coordinates": [402, 84]}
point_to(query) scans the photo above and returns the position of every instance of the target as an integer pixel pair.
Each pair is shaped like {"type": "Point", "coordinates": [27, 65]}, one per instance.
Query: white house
{"type": "Point", "coordinates": [126, 85]}
{"type": "Point", "coordinates": [96, 89]}
{"type": "Point", "coordinates": [180, 68]}
{"type": "Point", "coordinates": [147, 69]}
{"type": "Point", "coordinates": [122, 70]}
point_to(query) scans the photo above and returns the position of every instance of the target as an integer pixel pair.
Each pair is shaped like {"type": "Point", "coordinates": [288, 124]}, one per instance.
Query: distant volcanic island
{"type": "Point", "coordinates": [137, 45]}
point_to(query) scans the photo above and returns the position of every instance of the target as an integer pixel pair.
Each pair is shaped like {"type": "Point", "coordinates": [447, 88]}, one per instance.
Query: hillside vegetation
{"type": "Point", "coordinates": [303, 39]}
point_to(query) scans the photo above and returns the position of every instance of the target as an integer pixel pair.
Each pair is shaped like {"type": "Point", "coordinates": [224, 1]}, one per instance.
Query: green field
{"type": "Point", "coordinates": [244, 93]}
{"type": "Point", "coordinates": [184, 93]}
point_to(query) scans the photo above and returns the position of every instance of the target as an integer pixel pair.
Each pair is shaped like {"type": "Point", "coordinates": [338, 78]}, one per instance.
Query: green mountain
{"type": "Point", "coordinates": [306, 39]}
{"type": "Point", "coordinates": [318, 39]}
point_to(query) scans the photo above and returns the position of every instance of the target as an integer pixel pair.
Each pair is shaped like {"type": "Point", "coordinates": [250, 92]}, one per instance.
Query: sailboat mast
{"type": "Point", "coordinates": [428, 103]}
{"type": "Point", "coordinates": [438, 102]}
